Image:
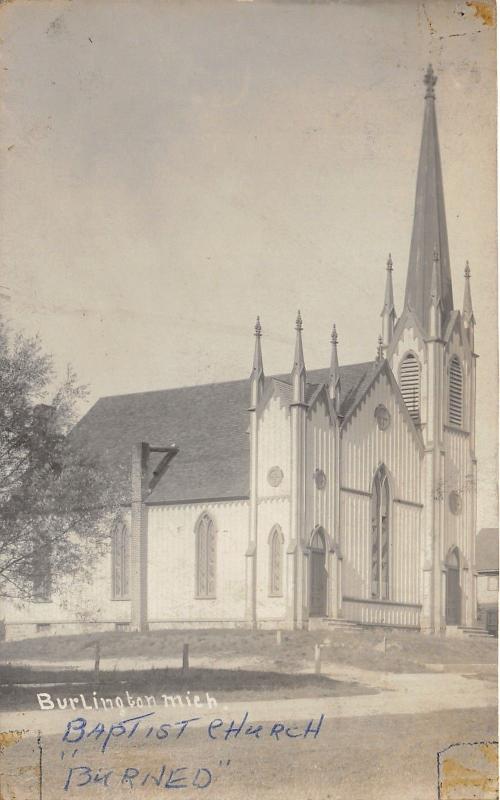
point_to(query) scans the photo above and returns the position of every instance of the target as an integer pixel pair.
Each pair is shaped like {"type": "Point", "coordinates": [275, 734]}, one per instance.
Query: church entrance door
{"type": "Point", "coordinates": [318, 575]}
{"type": "Point", "coordinates": [453, 593]}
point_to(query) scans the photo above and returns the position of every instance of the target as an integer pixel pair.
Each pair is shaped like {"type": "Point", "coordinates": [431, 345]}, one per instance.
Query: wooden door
{"type": "Point", "coordinates": [453, 614]}
{"type": "Point", "coordinates": [317, 582]}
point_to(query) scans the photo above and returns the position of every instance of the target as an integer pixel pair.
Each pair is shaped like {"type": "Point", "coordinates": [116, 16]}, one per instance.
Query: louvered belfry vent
{"type": "Point", "coordinates": [409, 383]}
{"type": "Point", "coordinates": [455, 393]}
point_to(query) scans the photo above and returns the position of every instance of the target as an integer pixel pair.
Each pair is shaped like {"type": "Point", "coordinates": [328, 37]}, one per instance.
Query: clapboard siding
{"type": "Point", "coordinates": [364, 447]}
{"type": "Point", "coordinates": [320, 444]}
{"type": "Point", "coordinates": [274, 448]}
{"type": "Point", "coordinates": [172, 562]}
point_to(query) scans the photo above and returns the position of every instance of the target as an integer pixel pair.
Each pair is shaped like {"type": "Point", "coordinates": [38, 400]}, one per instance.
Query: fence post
{"type": "Point", "coordinates": [317, 659]}
{"type": "Point", "coordinates": [185, 658]}
{"type": "Point", "coordinates": [97, 660]}
{"type": "Point", "coordinates": [278, 637]}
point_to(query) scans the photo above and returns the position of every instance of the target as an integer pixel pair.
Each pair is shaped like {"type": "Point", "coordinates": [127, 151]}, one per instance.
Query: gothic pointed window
{"type": "Point", "coordinates": [455, 393]}
{"type": "Point", "coordinates": [381, 521]}
{"type": "Point", "coordinates": [205, 556]}
{"type": "Point", "coordinates": [276, 541]}
{"type": "Point", "coordinates": [42, 574]}
{"type": "Point", "coordinates": [409, 383]}
{"type": "Point", "coordinates": [120, 561]}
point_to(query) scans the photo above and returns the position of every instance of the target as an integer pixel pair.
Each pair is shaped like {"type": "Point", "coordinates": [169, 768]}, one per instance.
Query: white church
{"type": "Point", "coordinates": [341, 494]}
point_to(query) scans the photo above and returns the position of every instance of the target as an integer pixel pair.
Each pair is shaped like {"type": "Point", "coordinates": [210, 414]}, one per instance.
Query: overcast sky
{"type": "Point", "coordinates": [171, 169]}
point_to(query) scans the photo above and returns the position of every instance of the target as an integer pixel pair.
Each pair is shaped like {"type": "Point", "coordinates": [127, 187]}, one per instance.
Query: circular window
{"type": "Point", "coordinates": [383, 417]}
{"type": "Point", "coordinates": [275, 476]}
{"type": "Point", "coordinates": [455, 502]}
{"type": "Point", "coordinates": [319, 479]}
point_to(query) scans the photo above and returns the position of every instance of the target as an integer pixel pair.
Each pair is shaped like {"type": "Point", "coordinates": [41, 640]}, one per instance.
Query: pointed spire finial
{"type": "Point", "coordinates": [334, 338]}
{"type": "Point", "coordinates": [334, 376]}
{"type": "Point", "coordinates": [257, 375]}
{"type": "Point", "coordinates": [388, 312]}
{"type": "Point", "coordinates": [430, 81]}
{"type": "Point", "coordinates": [380, 349]}
{"type": "Point", "coordinates": [468, 313]}
{"type": "Point", "coordinates": [299, 367]}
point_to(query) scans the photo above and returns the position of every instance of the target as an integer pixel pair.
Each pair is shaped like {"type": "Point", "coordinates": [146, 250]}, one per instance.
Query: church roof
{"type": "Point", "coordinates": [429, 222]}
{"type": "Point", "coordinates": [208, 424]}
{"type": "Point", "coordinates": [487, 550]}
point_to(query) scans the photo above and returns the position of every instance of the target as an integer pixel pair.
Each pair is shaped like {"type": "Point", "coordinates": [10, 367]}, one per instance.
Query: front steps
{"type": "Point", "coordinates": [458, 631]}
{"type": "Point", "coordinates": [461, 631]}
{"type": "Point", "coordinates": [328, 623]}
{"type": "Point", "coordinates": [476, 632]}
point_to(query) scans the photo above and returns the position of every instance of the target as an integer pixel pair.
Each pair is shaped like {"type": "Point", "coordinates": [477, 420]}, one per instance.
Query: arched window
{"type": "Point", "coordinates": [381, 521]}
{"type": "Point", "coordinates": [42, 573]}
{"type": "Point", "coordinates": [205, 556]}
{"type": "Point", "coordinates": [455, 393]}
{"type": "Point", "coordinates": [276, 541]}
{"type": "Point", "coordinates": [409, 383]}
{"type": "Point", "coordinates": [120, 562]}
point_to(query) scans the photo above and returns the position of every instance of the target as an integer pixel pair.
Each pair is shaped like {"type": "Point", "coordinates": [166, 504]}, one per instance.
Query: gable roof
{"type": "Point", "coordinates": [487, 550]}
{"type": "Point", "coordinates": [208, 424]}
{"type": "Point", "coordinates": [369, 379]}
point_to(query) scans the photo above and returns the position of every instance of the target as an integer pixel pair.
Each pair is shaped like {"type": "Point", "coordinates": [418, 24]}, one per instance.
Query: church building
{"type": "Point", "coordinates": [314, 497]}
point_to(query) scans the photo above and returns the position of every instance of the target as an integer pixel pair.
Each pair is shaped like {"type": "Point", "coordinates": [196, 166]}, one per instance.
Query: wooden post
{"type": "Point", "coordinates": [185, 658]}
{"type": "Point", "coordinates": [278, 637]}
{"type": "Point", "coordinates": [317, 659]}
{"type": "Point", "coordinates": [385, 645]}
{"type": "Point", "coordinates": [97, 660]}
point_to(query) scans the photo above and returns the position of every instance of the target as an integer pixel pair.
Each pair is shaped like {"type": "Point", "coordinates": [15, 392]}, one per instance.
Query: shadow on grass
{"type": "Point", "coordinates": [20, 685]}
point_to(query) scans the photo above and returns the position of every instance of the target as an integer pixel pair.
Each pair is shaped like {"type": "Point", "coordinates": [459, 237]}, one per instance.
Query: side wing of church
{"type": "Point", "coordinates": [341, 494]}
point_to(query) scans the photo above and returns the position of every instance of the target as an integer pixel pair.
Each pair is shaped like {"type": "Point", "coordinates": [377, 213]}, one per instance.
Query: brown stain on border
{"type": "Point", "coordinates": [8, 738]}
{"type": "Point", "coordinates": [483, 10]}
{"type": "Point", "coordinates": [456, 775]}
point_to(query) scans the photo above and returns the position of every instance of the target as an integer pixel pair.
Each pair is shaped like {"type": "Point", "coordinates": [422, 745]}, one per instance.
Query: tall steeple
{"type": "Point", "coordinates": [257, 375]}
{"type": "Point", "coordinates": [299, 367]}
{"type": "Point", "coordinates": [429, 221]}
{"type": "Point", "coordinates": [388, 313]}
{"type": "Point", "coordinates": [334, 376]}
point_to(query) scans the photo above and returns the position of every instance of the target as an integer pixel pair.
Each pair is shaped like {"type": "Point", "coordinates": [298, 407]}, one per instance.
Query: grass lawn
{"type": "Point", "coordinates": [406, 651]}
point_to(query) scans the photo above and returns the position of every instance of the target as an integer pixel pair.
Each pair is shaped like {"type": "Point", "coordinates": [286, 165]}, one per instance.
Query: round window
{"type": "Point", "coordinates": [455, 502]}
{"type": "Point", "coordinates": [319, 479]}
{"type": "Point", "coordinates": [275, 476]}
{"type": "Point", "coordinates": [383, 417]}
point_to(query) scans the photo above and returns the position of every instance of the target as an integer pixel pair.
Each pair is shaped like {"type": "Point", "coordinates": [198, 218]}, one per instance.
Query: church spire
{"type": "Point", "coordinates": [299, 367]}
{"type": "Point", "coordinates": [468, 314]}
{"type": "Point", "coordinates": [257, 376]}
{"type": "Point", "coordinates": [334, 376]}
{"type": "Point", "coordinates": [429, 221]}
{"type": "Point", "coordinates": [388, 313]}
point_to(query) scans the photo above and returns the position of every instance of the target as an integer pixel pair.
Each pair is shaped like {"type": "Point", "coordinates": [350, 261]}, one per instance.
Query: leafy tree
{"type": "Point", "coordinates": [57, 500]}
